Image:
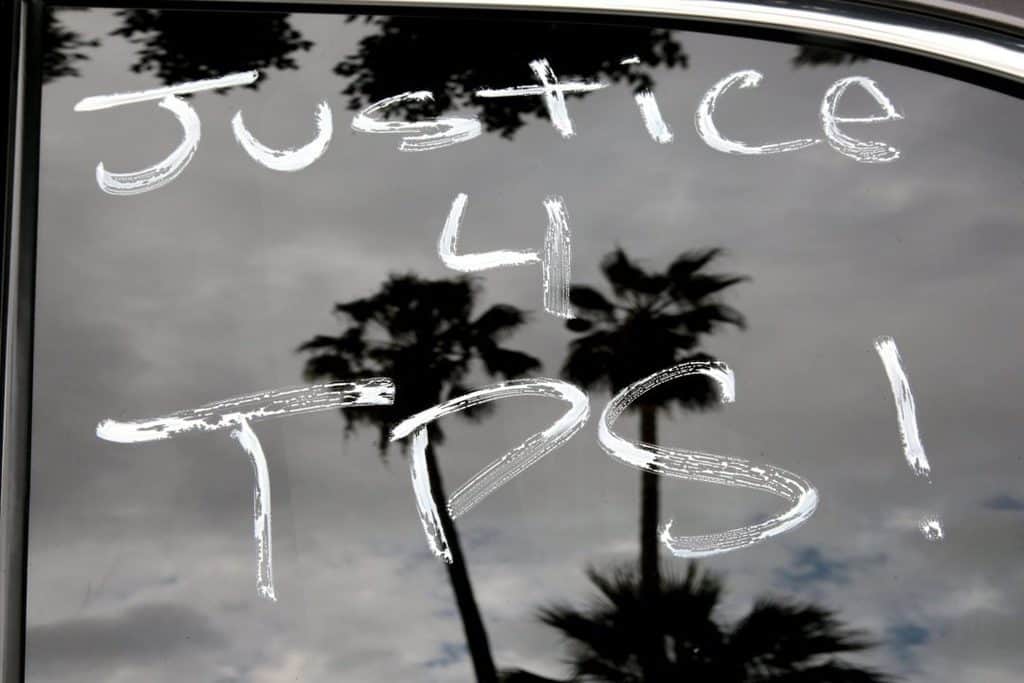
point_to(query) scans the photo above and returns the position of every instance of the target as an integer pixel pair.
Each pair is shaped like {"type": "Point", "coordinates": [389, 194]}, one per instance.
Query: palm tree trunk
{"type": "Point", "coordinates": [650, 576]}
{"type": "Point", "coordinates": [458, 573]}
{"type": "Point", "coordinates": [649, 507]}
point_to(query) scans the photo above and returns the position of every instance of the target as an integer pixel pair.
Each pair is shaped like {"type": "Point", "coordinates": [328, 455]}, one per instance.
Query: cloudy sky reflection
{"type": "Point", "coordinates": [141, 558]}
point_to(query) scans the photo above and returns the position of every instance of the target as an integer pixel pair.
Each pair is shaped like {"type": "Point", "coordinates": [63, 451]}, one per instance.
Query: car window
{"type": "Point", "coordinates": [449, 345]}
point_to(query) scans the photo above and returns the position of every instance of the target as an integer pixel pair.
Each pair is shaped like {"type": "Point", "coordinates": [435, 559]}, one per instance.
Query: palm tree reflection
{"type": "Point", "coordinates": [654, 321]}
{"type": "Point", "coordinates": [63, 48]}
{"type": "Point", "coordinates": [449, 55]}
{"type": "Point", "coordinates": [180, 46]}
{"type": "Point", "coordinates": [775, 642]}
{"type": "Point", "coordinates": [424, 335]}
{"type": "Point", "coordinates": [452, 56]}
{"type": "Point", "coordinates": [819, 55]}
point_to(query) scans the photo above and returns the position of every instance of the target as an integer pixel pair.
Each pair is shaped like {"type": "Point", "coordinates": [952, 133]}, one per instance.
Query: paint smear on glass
{"type": "Point", "coordinates": [288, 160]}
{"type": "Point", "coordinates": [483, 260]}
{"type": "Point", "coordinates": [551, 90]}
{"type": "Point", "coordinates": [906, 419]}
{"type": "Point", "coordinates": [707, 467]}
{"type": "Point", "coordinates": [98, 102]}
{"type": "Point", "coordinates": [236, 414]}
{"type": "Point", "coordinates": [651, 114]}
{"type": "Point", "coordinates": [864, 151]}
{"type": "Point", "coordinates": [704, 120]}
{"type": "Point", "coordinates": [250, 443]}
{"type": "Point", "coordinates": [163, 172]}
{"type": "Point", "coordinates": [557, 261]}
{"type": "Point", "coordinates": [429, 135]}
{"type": "Point", "coordinates": [264, 405]}
{"type": "Point", "coordinates": [501, 470]}
{"type": "Point", "coordinates": [159, 174]}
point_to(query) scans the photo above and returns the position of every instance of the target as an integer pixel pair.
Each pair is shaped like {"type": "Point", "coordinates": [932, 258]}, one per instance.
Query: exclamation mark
{"type": "Point", "coordinates": [906, 416]}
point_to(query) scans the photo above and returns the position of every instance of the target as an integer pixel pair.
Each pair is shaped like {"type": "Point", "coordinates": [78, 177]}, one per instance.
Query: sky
{"type": "Point", "coordinates": [141, 559]}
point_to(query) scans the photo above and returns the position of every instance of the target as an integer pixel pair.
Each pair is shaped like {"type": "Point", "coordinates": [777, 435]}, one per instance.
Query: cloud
{"type": "Point", "coordinates": [450, 653]}
{"type": "Point", "coordinates": [139, 636]}
{"type": "Point", "coordinates": [968, 600]}
{"type": "Point", "coordinates": [903, 638]}
{"type": "Point", "coordinates": [1005, 503]}
{"type": "Point", "coordinates": [810, 565]}
{"type": "Point", "coordinates": [292, 666]}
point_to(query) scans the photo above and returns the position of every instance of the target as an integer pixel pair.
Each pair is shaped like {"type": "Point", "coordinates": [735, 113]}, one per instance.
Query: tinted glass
{"type": "Point", "coordinates": [147, 561]}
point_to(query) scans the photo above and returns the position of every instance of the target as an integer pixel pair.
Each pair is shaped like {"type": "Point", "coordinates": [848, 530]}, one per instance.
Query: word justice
{"type": "Point", "coordinates": [237, 414]}
{"type": "Point", "coordinates": [438, 133]}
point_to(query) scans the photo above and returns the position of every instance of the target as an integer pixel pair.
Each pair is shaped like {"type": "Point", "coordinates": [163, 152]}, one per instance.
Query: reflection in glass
{"type": "Point", "coordinates": [425, 336]}
{"type": "Point", "coordinates": [140, 563]}
{"type": "Point", "coordinates": [777, 641]}
{"type": "Point", "coordinates": [63, 49]}
{"type": "Point", "coordinates": [453, 57]}
{"type": "Point", "coordinates": [654, 321]}
{"type": "Point", "coordinates": [182, 46]}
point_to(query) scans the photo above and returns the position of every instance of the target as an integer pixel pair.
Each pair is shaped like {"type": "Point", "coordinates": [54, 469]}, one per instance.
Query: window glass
{"type": "Point", "coordinates": [590, 202]}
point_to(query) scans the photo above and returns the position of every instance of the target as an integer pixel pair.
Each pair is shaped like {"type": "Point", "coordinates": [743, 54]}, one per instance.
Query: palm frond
{"type": "Point", "coordinates": [627, 278]}
{"type": "Point", "coordinates": [422, 334]}
{"type": "Point", "coordinates": [656, 320]}
{"type": "Point", "coordinates": [777, 642]}
{"type": "Point", "coordinates": [590, 303]}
